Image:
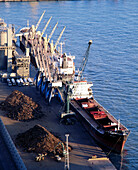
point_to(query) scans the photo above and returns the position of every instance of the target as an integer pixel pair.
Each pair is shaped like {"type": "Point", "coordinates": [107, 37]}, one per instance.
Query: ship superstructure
{"type": "Point", "coordinates": [81, 89]}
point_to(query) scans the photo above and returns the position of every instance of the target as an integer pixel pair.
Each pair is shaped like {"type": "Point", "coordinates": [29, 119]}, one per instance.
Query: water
{"type": "Point", "coordinates": [113, 60]}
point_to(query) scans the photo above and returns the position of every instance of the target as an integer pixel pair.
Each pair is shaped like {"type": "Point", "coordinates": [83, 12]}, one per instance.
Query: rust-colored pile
{"type": "Point", "coordinates": [39, 140]}
{"type": "Point", "coordinates": [21, 107]}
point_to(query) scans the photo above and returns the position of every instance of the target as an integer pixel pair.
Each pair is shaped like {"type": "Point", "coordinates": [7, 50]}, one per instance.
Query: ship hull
{"type": "Point", "coordinates": [113, 141]}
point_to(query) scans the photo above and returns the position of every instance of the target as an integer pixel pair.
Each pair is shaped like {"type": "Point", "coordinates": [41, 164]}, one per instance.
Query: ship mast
{"type": "Point", "coordinates": [118, 124]}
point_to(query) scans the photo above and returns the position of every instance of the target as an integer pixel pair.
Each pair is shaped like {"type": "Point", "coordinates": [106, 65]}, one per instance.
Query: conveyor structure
{"type": "Point", "coordinates": [46, 59]}
{"type": "Point", "coordinates": [54, 69]}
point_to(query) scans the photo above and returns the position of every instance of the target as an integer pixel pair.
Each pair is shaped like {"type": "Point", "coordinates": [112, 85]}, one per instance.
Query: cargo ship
{"type": "Point", "coordinates": [101, 125]}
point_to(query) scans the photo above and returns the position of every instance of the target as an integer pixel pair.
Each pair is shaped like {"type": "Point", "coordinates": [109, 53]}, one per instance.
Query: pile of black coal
{"type": "Point", "coordinates": [21, 107]}
{"type": "Point", "coordinates": [39, 140]}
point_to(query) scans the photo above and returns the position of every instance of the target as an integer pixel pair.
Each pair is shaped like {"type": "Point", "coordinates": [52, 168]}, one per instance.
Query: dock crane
{"type": "Point", "coordinates": [33, 28]}
{"type": "Point", "coordinates": [44, 79]}
{"type": "Point", "coordinates": [46, 26]}
{"type": "Point", "coordinates": [59, 38]}
{"type": "Point", "coordinates": [37, 25]}
{"type": "Point", "coordinates": [46, 74]}
{"type": "Point", "coordinates": [52, 32]}
{"type": "Point", "coordinates": [67, 112]}
{"type": "Point", "coordinates": [84, 61]}
{"type": "Point", "coordinates": [39, 75]}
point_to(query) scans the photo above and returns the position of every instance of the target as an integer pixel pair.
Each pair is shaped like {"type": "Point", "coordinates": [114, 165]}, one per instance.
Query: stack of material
{"type": "Point", "coordinates": [40, 140]}
{"type": "Point", "coordinates": [21, 107]}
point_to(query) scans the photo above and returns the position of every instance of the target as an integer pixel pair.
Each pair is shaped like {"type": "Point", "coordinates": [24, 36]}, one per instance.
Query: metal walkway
{"type": "Point", "coordinates": [9, 157]}
{"type": "Point", "coordinates": [6, 161]}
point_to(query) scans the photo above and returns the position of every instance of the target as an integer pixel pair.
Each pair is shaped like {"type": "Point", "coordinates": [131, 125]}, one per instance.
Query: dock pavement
{"type": "Point", "coordinates": [84, 147]}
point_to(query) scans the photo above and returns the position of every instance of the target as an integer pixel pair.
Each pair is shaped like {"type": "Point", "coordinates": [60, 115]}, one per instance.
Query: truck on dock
{"type": "Point", "coordinates": [18, 82]}
{"type": "Point", "coordinates": [22, 82]}
{"type": "Point", "coordinates": [30, 81]}
{"type": "Point", "coordinates": [13, 82]}
{"type": "Point", "coordinates": [9, 82]}
{"type": "Point", "coordinates": [26, 83]}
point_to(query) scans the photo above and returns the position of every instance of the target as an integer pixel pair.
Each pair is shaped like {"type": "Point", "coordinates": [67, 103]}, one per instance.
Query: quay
{"type": "Point", "coordinates": [84, 147]}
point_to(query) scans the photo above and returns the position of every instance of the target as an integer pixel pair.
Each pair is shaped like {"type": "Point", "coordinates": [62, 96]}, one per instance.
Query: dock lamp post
{"type": "Point", "coordinates": [67, 154]}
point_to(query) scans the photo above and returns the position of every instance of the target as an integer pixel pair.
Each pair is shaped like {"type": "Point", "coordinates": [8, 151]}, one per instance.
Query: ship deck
{"type": "Point", "coordinates": [85, 115]}
{"type": "Point", "coordinates": [84, 147]}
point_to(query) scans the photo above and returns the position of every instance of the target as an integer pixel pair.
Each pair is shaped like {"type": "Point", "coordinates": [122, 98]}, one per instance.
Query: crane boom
{"type": "Point", "coordinates": [40, 20]}
{"type": "Point", "coordinates": [44, 65]}
{"type": "Point", "coordinates": [36, 59]}
{"type": "Point", "coordinates": [85, 59]}
{"type": "Point", "coordinates": [52, 32]}
{"type": "Point", "coordinates": [59, 38]}
{"type": "Point", "coordinates": [46, 26]}
{"type": "Point", "coordinates": [39, 59]}
{"type": "Point", "coordinates": [48, 69]}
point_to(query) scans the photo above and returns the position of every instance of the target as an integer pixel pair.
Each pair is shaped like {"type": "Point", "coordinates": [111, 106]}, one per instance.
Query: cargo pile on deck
{"type": "Point", "coordinates": [40, 140]}
{"type": "Point", "coordinates": [21, 107]}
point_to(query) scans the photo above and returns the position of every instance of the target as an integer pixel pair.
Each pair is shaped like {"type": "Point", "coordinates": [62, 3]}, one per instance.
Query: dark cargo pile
{"type": "Point", "coordinates": [21, 107]}
{"type": "Point", "coordinates": [39, 140]}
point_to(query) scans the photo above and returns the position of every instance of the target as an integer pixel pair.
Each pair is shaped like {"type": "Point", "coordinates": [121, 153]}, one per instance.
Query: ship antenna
{"type": "Point", "coordinates": [67, 154]}
{"type": "Point", "coordinates": [27, 23]}
{"type": "Point", "coordinates": [118, 124]}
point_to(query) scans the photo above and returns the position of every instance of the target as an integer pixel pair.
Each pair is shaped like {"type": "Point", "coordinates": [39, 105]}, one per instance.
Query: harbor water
{"type": "Point", "coordinates": [113, 61]}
